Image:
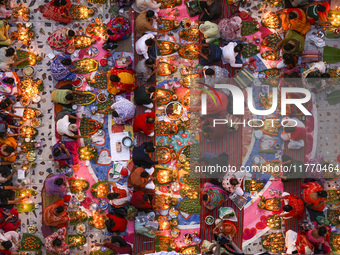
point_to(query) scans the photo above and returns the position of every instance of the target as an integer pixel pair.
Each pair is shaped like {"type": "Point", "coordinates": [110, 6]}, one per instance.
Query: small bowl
{"type": "Point", "coordinates": [127, 141]}
{"type": "Point", "coordinates": [29, 71]}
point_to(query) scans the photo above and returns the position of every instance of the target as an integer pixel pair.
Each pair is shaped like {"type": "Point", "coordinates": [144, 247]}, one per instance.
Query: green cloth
{"type": "Point", "coordinates": [58, 96]}
{"type": "Point", "coordinates": [297, 39]}
{"type": "Point", "coordinates": [312, 12]}
{"type": "Point", "coordinates": [331, 55]}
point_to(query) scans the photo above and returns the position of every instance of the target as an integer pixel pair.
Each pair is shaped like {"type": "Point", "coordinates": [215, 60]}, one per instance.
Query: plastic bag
{"type": "Point", "coordinates": [227, 213]}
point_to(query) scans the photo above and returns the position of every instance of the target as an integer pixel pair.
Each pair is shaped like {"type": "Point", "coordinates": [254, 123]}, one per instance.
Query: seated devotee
{"type": "Point", "coordinates": [213, 196]}
{"type": "Point", "coordinates": [145, 23]}
{"type": "Point", "coordinates": [65, 127]}
{"type": "Point", "coordinates": [139, 178]}
{"type": "Point", "coordinates": [119, 195]}
{"type": "Point", "coordinates": [294, 134]}
{"type": "Point", "coordinates": [226, 242]}
{"type": "Point", "coordinates": [293, 206]}
{"type": "Point", "coordinates": [231, 53]}
{"type": "Point", "coordinates": [215, 75]}
{"type": "Point", "coordinates": [143, 5]}
{"type": "Point", "coordinates": [145, 69]}
{"type": "Point", "coordinates": [291, 164]}
{"type": "Point", "coordinates": [120, 81]}
{"type": "Point", "coordinates": [230, 28]}
{"type": "Point", "coordinates": [210, 53]}
{"type": "Point", "coordinates": [7, 108]}
{"type": "Point", "coordinates": [57, 10]}
{"type": "Point", "coordinates": [9, 242]}
{"type": "Point", "coordinates": [143, 96]}
{"type": "Point", "coordinates": [58, 243]}
{"type": "Point", "coordinates": [6, 175]}
{"type": "Point", "coordinates": [146, 46]}
{"type": "Point", "coordinates": [212, 10]}
{"type": "Point", "coordinates": [225, 228]}
{"type": "Point", "coordinates": [314, 196]}
{"type": "Point", "coordinates": [9, 219]}
{"type": "Point", "coordinates": [320, 238]}
{"type": "Point", "coordinates": [8, 59]}
{"type": "Point", "coordinates": [145, 123]}
{"type": "Point", "coordinates": [8, 149]}
{"type": "Point", "coordinates": [232, 183]}
{"type": "Point", "coordinates": [62, 68]}
{"type": "Point", "coordinates": [295, 19]}
{"type": "Point", "coordinates": [289, 61]}
{"type": "Point", "coordinates": [66, 153]}
{"type": "Point", "coordinates": [141, 201]}
{"type": "Point", "coordinates": [56, 215]}
{"type": "Point", "coordinates": [123, 110]}
{"type": "Point", "coordinates": [117, 244]}
{"type": "Point", "coordinates": [115, 224]}
{"type": "Point", "coordinates": [294, 43]}
{"type": "Point", "coordinates": [56, 185]}
{"type": "Point", "coordinates": [5, 39]}
{"type": "Point", "coordinates": [66, 97]}
{"type": "Point", "coordinates": [7, 196]}
{"type": "Point", "coordinates": [62, 40]}
{"type": "Point", "coordinates": [317, 13]}
{"type": "Point", "coordinates": [141, 158]}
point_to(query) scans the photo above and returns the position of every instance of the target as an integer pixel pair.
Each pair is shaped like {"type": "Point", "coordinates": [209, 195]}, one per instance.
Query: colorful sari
{"type": "Point", "coordinates": [63, 249]}
{"type": "Point", "coordinates": [312, 187]}
{"type": "Point", "coordinates": [50, 11]}
{"type": "Point", "coordinates": [52, 218]}
{"type": "Point", "coordinates": [61, 72]}
{"type": "Point", "coordinates": [54, 190]}
{"type": "Point", "coordinates": [216, 195]}
{"type": "Point", "coordinates": [298, 40]}
{"type": "Point", "coordinates": [10, 141]}
{"type": "Point", "coordinates": [300, 24]}
{"type": "Point", "coordinates": [60, 41]}
{"type": "Point", "coordinates": [126, 83]}
{"type": "Point", "coordinates": [73, 148]}
{"type": "Point", "coordinates": [11, 224]}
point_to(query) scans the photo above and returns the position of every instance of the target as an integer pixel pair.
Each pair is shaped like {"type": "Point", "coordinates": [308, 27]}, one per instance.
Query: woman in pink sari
{"type": "Point", "coordinates": [57, 10]}
{"type": "Point", "coordinates": [62, 40]}
{"type": "Point", "coordinates": [213, 196]}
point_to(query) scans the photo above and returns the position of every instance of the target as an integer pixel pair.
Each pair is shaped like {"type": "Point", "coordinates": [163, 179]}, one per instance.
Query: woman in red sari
{"type": "Point", "coordinates": [56, 215]}
{"type": "Point", "coordinates": [314, 196]}
{"type": "Point", "coordinates": [9, 219]}
{"type": "Point", "coordinates": [57, 10]}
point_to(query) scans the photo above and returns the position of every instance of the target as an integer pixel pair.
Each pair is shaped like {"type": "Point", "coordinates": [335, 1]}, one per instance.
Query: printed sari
{"type": "Point", "coordinates": [61, 72]}
{"type": "Point", "coordinates": [60, 41]}
{"type": "Point", "coordinates": [52, 218]}
{"type": "Point", "coordinates": [50, 11]}
{"type": "Point", "coordinates": [216, 195]}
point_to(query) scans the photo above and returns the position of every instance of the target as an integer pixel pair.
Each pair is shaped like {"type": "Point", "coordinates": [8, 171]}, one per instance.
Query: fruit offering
{"type": "Point", "coordinates": [30, 243]}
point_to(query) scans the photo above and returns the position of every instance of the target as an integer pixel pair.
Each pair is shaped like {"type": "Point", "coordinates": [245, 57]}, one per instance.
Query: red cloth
{"type": "Point", "coordinates": [55, 13]}
{"type": "Point", "coordinates": [138, 201]}
{"type": "Point", "coordinates": [120, 225]}
{"type": "Point", "coordinates": [312, 187]}
{"type": "Point", "coordinates": [140, 123]}
{"type": "Point", "coordinates": [9, 225]}
{"type": "Point", "coordinates": [298, 134]}
{"type": "Point", "coordinates": [297, 204]}
{"type": "Point", "coordinates": [116, 88]}
{"type": "Point", "coordinates": [127, 249]}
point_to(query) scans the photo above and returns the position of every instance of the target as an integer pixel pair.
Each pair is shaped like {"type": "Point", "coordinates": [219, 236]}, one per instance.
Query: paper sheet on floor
{"type": "Point", "coordinates": [125, 153]}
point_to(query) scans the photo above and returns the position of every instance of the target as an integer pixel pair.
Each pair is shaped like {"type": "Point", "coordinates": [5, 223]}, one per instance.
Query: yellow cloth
{"type": "Point", "coordinates": [126, 78]}
{"type": "Point", "coordinates": [300, 25]}
{"type": "Point", "coordinates": [10, 142]}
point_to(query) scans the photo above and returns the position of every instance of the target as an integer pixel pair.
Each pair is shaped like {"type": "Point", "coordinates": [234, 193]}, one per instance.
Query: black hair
{"type": "Point", "coordinates": [59, 2]}
{"type": "Point", "coordinates": [149, 147]}
{"type": "Point", "coordinates": [205, 51]}
{"type": "Point", "coordinates": [150, 120]}
{"type": "Point", "coordinates": [149, 61]}
{"type": "Point", "coordinates": [149, 42]}
{"type": "Point", "coordinates": [56, 152]}
{"type": "Point", "coordinates": [151, 89]}
{"type": "Point", "coordinates": [8, 80]}
{"type": "Point", "coordinates": [144, 174]}
{"type": "Point", "coordinates": [287, 208]}
{"type": "Point", "coordinates": [59, 182]}
{"type": "Point", "coordinates": [289, 129]}
{"type": "Point", "coordinates": [60, 209]}
{"type": "Point", "coordinates": [292, 15]}
{"type": "Point", "coordinates": [321, 8]}
{"type": "Point", "coordinates": [150, 14]}
{"type": "Point", "coordinates": [238, 48]}
{"type": "Point", "coordinates": [110, 224]}
{"type": "Point", "coordinates": [145, 198]}
{"type": "Point", "coordinates": [112, 196]}
{"type": "Point", "coordinates": [57, 242]}
{"type": "Point", "coordinates": [9, 149]}
{"type": "Point", "coordinates": [205, 197]}
{"type": "Point", "coordinates": [3, 105]}
{"type": "Point", "coordinates": [114, 78]}
{"type": "Point", "coordinates": [115, 114]}
{"type": "Point", "coordinates": [322, 193]}
{"type": "Point", "coordinates": [288, 47]}
{"type": "Point", "coordinates": [71, 33]}
{"type": "Point", "coordinates": [325, 75]}
{"type": "Point", "coordinates": [289, 59]}
{"type": "Point", "coordinates": [9, 52]}
{"type": "Point", "coordinates": [69, 97]}
{"type": "Point", "coordinates": [209, 71]}
{"type": "Point", "coordinates": [7, 245]}
{"type": "Point", "coordinates": [322, 231]}
{"type": "Point", "coordinates": [313, 75]}
{"type": "Point", "coordinates": [234, 182]}
{"type": "Point", "coordinates": [110, 32]}
{"type": "Point", "coordinates": [66, 61]}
